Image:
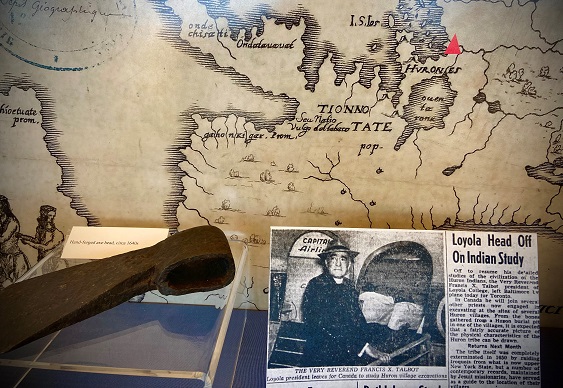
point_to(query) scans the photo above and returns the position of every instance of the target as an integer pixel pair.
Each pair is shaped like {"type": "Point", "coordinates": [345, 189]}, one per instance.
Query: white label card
{"type": "Point", "coordinates": [101, 242]}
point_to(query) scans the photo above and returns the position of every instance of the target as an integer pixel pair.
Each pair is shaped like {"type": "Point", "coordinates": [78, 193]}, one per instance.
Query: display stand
{"type": "Point", "coordinates": [168, 340]}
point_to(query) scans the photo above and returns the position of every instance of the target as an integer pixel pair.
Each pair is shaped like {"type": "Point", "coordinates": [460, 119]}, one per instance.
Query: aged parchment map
{"type": "Point", "coordinates": [416, 114]}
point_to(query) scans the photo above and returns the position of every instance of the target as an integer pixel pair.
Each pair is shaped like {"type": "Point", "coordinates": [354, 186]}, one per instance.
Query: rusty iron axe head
{"type": "Point", "coordinates": [194, 260]}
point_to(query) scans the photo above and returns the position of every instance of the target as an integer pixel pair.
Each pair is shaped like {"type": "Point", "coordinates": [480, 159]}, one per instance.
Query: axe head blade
{"type": "Point", "coordinates": [194, 260]}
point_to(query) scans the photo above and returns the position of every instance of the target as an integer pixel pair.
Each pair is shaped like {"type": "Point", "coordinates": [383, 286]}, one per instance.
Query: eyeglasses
{"type": "Point", "coordinates": [336, 259]}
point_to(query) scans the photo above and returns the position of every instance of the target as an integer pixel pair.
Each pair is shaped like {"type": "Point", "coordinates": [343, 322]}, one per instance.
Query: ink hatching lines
{"type": "Point", "coordinates": [48, 115]}
{"type": "Point", "coordinates": [170, 32]}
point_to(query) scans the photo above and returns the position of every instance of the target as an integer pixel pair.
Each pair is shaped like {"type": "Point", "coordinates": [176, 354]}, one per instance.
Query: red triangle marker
{"type": "Point", "coordinates": [453, 47]}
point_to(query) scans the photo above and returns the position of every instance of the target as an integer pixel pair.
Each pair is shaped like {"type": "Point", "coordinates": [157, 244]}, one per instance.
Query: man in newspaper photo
{"type": "Point", "coordinates": [335, 327]}
{"type": "Point", "coordinates": [355, 297]}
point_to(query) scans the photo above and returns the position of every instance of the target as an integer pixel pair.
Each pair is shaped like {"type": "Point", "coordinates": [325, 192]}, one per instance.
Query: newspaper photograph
{"type": "Point", "coordinates": [402, 308]}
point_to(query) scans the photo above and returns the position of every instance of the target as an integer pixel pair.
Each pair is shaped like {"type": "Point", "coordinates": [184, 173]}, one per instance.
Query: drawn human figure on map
{"type": "Point", "coordinates": [47, 236]}
{"type": "Point", "coordinates": [335, 327]}
{"type": "Point", "coordinates": [13, 262]}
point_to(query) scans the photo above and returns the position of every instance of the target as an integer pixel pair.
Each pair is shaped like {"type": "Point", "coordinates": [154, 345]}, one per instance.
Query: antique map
{"type": "Point", "coordinates": [412, 114]}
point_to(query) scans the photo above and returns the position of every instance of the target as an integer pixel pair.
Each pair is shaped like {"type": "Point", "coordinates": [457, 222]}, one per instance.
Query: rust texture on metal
{"type": "Point", "coordinates": [194, 260]}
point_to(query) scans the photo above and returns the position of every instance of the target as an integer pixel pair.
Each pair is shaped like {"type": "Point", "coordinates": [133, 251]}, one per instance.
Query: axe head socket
{"type": "Point", "coordinates": [203, 273]}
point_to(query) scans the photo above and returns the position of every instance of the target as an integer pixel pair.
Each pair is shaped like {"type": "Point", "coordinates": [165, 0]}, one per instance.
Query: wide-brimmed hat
{"type": "Point", "coordinates": [337, 245]}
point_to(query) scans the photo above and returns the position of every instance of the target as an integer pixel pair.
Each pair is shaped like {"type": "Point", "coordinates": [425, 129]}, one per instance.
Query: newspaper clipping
{"type": "Point", "coordinates": [374, 308]}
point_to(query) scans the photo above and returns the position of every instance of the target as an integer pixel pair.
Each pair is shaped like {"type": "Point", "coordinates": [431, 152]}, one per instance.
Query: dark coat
{"type": "Point", "coordinates": [335, 328]}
